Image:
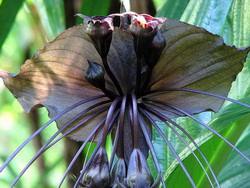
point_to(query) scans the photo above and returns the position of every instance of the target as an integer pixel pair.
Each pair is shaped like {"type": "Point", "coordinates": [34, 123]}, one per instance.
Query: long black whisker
{"type": "Point", "coordinates": [175, 153]}
{"type": "Point", "coordinates": [88, 150]}
{"type": "Point", "coordinates": [115, 144]}
{"type": "Point", "coordinates": [80, 150]}
{"type": "Point", "coordinates": [151, 148]}
{"type": "Point", "coordinates": [119, 134]}
{"type": "Point", "coordinates": [203, 124]}
{"type": "Point", "coordinates": [77, 126]}
{"type": "Point", "coordinates": [199, 92]}
{"type": "Point", "coordinates": [164, 119]}
{"type": "Point", "coordinates": [44, 126]}
{"type": "Point", "coordinates": [44, 147]}
{"type": "Point", "coordinates": [108, 120]}
{"type": "Point", "coordinates": [122, 117]}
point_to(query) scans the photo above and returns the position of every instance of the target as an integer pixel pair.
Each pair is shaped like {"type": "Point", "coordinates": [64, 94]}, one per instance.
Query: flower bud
{"type": "Point", "coordinates": [154, 51]}
{"type": "Point", "coordinates": [100, 29]}
{"type": "Point", "coordinates": [138, 171]}
{"type": "Point", "coordinates": [143, 32]}
{"type": "Point", "coordinates": [95, 75]}
{"type": "Point", "coordinates": [97, 174]}
{"type": "Point", "coordinates": [119, 174]}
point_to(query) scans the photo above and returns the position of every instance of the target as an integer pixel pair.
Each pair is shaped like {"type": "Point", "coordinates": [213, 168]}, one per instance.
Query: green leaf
{"type": "Point", "coordinates": [213, 147]}
{"type": "Point", "coordinates": [93, 8]}
{"type": "Point", "coordinates": [161, 149]}
{"type": "Point", "coordinates": [209, 14]}
{"type": "Point", "coordinates": [236, 171]}
{"type": "Point", "coordinates": [218, 17]}
{"type": "Point", "coordinates": [8, 12]}
{"type": "Point", "coordinates": [158, 3]}
{"type": "Point", "coordinates": [172, 9]}
{"type": "Point", "coordinates": [164, 155]}
{"type": "Point", "coordinates": [231, 177]}
{"type": "Point", "coordinates": [240, 35]}
{"type": "Point", "coordinates": [52, 16]}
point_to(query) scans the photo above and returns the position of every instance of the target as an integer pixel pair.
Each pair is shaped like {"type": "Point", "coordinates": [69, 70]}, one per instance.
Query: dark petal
{"type": "Point", "coordinates": [119, 173]}
{"type": "Point", "coordinates": [138, 171]}
{"type": "Point", "coordinates": [143, 33]}
{"type": "Point", "coordinates": [100, 31]}
{"type": "Point", "coordinates": [195, 59]}
{"type": "Point", "coordinates": [54, 78]}
{"type": "Point", "coordinates": [97, 174]}
{"type": "Point", "coordinates": [122, 59]}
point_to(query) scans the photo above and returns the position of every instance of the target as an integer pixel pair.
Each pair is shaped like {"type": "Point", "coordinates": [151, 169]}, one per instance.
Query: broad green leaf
{"type": "Point", "coordinates": [8, 12]}
{"type": "Point", "coordinates": [239, 18]}
{"type": "Point", "coordinates": [236, 171]}
{"type": "Point", "coordinates": [52, 16]}
{"type": "Point", "coordinates": [209, 14]}
{"type": "Point", "coordinates": [240, 122]}
{"type": "Point", "coordinates": [161, 149]}
{"type": "Point", "coordinates": [164, 155]}
{"type": "Point", "coordinates": [213, 147]}
{"type": "Point", "coordinates": [172, 9]}
{"type": "Point", "coordinates": [231, 177]}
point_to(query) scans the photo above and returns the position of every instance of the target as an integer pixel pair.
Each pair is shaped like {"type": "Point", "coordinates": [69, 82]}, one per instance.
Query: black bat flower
{"type": "Point", "coordinates": [117, 75]}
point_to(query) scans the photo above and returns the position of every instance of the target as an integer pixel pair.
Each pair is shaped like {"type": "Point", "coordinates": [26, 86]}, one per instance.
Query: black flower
{"type": "Point", "coordinates": [117, 75]}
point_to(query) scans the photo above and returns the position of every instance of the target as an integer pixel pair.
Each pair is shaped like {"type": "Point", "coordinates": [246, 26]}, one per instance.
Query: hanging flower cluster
{"type": "Point", "coordinates": [116, 75]}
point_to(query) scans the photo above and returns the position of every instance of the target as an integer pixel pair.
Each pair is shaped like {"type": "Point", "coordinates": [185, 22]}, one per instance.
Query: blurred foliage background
{"type": "Point", "coordinates": [26, 25]}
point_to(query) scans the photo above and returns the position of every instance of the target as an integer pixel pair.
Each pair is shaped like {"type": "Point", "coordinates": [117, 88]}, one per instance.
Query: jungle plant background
{"type": "Point", "coordinates": [26, 25]}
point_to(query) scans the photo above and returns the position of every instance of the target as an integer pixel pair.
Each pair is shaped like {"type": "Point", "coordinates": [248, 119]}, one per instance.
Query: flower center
{"type": "Point", "coordinates": [148, 45]}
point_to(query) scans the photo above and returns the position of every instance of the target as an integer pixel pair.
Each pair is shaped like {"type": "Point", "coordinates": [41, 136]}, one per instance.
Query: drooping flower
{"type": "Point", "coordinates": [117, 75]}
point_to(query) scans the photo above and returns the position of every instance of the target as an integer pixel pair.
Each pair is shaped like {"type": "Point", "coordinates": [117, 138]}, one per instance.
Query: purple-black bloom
{"type": "Point", "coordinates": [117, 75]}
